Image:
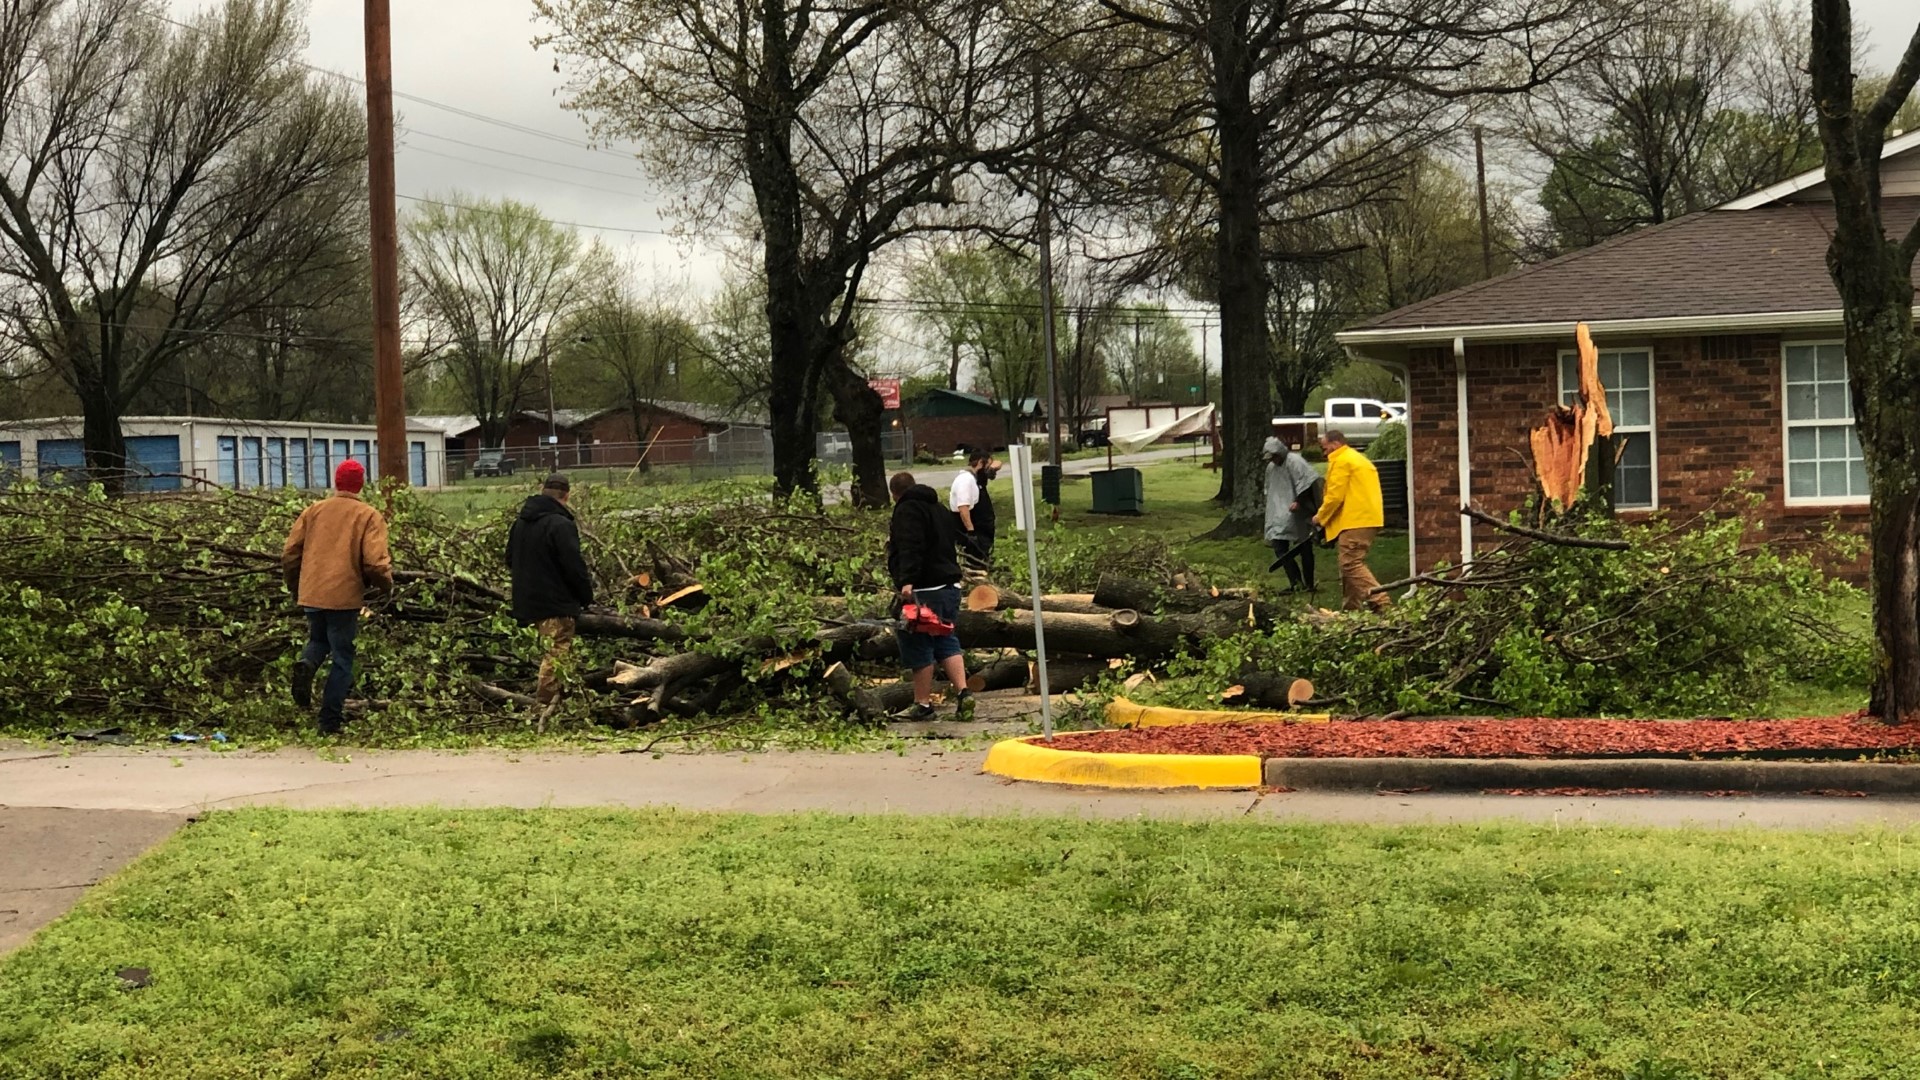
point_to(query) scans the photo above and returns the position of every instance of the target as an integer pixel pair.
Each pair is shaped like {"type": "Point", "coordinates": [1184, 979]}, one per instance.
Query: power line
{"type": "Point", "coordinates": [519, 172]}
{"type": "Point", "coordinates": [411, 130]}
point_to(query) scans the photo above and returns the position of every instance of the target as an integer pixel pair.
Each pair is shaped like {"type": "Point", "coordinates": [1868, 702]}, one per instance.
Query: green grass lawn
{"type": "Point", "coordinates": [1179, 508]}
{"type": "Point", "coordinates": [609, 944]}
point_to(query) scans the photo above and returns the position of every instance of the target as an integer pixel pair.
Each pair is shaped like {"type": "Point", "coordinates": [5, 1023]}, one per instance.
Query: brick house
{"type": "Point", "coordinates": [1721, 347]}
{"type": "Point", "coordinates": [672, 433]}
{"type": "Point", "coordinates": [945, 420]}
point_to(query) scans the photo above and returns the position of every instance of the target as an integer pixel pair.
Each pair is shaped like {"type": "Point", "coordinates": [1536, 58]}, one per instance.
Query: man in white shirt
{"type": "Point", "coordinates": [969, 498]}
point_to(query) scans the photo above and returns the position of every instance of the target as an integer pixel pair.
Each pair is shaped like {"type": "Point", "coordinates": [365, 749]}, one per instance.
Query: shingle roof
{"type": "Point", "coordinates": [1717, 262]}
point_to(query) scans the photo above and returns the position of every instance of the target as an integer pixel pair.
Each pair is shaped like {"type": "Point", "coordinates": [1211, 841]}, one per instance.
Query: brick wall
{"type": "Point", "coordinates": [1717, 404]}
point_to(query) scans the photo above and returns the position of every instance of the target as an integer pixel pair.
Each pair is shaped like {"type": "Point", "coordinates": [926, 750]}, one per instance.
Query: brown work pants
{"type": "Point", "coordinates": [559, 635]}
{"type": "Point", "coordinates": [1356, 579]}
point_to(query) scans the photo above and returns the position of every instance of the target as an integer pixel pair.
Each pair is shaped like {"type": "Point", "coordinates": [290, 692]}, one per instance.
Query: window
{"type": "Point", "coordinates": [1370, 411]}
{"type": "Point", "coordinates": [1342, 410]}
{"type": "Point", "coordinates": [1628, 376]}
{"type": "Point", "coordinates": [1824, 463]}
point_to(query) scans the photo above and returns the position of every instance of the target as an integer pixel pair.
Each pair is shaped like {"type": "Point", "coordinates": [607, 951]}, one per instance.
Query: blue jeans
{"type": "Point", "coordinates": [332, 633]}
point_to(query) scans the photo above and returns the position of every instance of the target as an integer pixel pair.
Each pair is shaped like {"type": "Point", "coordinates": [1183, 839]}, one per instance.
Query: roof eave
{"type": "Point", "coordinates": [1664, 326]}
{"type": "Point", "coordinates": [1813, 177]}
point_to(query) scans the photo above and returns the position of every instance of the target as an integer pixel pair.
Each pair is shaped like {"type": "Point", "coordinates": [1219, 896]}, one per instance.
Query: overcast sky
{"type": "Point", "coordinates": [477, 55]}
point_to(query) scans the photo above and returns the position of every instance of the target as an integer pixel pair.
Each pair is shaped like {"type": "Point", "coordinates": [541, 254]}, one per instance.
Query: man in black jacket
{"type": "Point", "coordinates": [551, 584]}
{"type": "Point", "coordinates": [920, 559]}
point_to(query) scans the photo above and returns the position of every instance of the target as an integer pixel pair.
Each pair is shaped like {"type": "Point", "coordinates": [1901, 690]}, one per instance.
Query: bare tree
{"type": "Point", "coordinates": [643, 347]}
{"type": "Point", "coordinates": [835, 127]}
{"type": "Point", "coordinates": [1271, 113]}
{"type": "Point", "coordinates": [1694, 103]}
{"type": "Point", "coordinates": [1874, 274]}
{"type": "Point", "coordinates": [157, 185]}
{"type": "Point", "coordinates": [494, 283]}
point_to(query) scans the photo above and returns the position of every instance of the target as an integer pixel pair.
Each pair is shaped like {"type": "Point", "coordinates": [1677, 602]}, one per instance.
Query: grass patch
{"type": "Point", "coordinates": [598, 943]}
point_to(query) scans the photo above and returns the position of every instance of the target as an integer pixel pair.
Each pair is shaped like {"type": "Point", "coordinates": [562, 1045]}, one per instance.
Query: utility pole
{"type": "Point", "coordinates": [1046, 300]}
{"type": "Point", "coordinates": [1203, 362]}
{"type": "Point", "coordinates": [1480, 169]}
{"type": "Point", "coordinates": [389, 387]}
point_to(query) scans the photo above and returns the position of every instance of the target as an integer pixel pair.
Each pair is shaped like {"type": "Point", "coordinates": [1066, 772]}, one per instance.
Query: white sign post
{"type": "Point", "coordinates": [1021, 461]}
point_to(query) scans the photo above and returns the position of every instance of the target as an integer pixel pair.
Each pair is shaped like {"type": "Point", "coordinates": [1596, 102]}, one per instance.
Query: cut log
{"type": "Point", "coordinates": [667, 670]}
{"type": "Point", "coordinates": [596, 624]}
{"type": "Point", "coordinates": [1117, 592]}
{"type": "Point", "coordinates": [691, 598]}
{"type": "Point", "coordinates": [502, 696]}
{"type": "Point", "coordinates": [1066, 676]}
{"type": "Point", "coordinates": [1268, 691]}
{"type": "Point", "coordinates": [1118, 633]}
{"type": "Point", "coordinates": [991, 598]}
{"type": "Point", "coordinates": [1006, 673]}
{"type": "Point", "coordinates": [874, 703]}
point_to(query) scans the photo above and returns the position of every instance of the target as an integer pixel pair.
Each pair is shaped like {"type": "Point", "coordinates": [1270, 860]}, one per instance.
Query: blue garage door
{"type": "Point", "coordinates": [276, 463]}
{"type": "Point", "coordinates": [155, 461]}
{"type": "Point", "coordinates": [229, 464]}
{"type": "Point", "coordinates": [9, 460]}
{"type": "Point", "coordinates": [417, 464]}
{"type": "Point", "coordinates": [322, 465]}
{"type": "Point", "coordinates": [60, 457]}
{"type": "Point", "coordinates": [297, 463]}
{"type": "Point", "coordinates": [249, 461]}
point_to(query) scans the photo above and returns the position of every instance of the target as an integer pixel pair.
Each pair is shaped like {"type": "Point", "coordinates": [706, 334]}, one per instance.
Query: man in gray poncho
{"type": "Point", "coordinates": [1293, 496]}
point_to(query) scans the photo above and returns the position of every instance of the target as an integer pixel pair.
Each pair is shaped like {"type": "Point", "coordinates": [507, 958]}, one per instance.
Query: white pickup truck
{"type": "Point", "coordinates": [1359, 419]}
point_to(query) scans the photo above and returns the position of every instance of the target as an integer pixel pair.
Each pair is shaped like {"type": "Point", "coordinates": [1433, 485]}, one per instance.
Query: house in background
{"type": "Point", "coordinates": [174, 453]}
{"type": "Point", "coordinates": [945, 421]}
{"type": "Point", "coordinates": [1721, 348]}
{"type": "Point", "coordinates": [676, 433]}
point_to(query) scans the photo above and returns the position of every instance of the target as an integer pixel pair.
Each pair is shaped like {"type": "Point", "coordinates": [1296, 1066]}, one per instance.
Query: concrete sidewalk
{"type": "Point", "coordinates": [68, 819]}
{"type": "Point", "coordinates": [924, 780]}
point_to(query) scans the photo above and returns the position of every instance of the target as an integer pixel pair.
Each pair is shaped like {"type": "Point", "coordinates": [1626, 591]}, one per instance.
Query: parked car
{"type": "Point", "coordinates": [1093, 437]}
{"type": "Point", "coordinates": [493, 463]}
{"type": "Point", "coordinates": [1359, 419]}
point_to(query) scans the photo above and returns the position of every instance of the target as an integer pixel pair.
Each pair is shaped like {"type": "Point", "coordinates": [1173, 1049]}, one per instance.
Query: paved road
{"type": "Point", "coordinates": [69, 819]}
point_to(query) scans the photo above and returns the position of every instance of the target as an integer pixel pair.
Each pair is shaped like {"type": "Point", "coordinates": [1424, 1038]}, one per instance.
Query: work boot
{"type": "Point", "coordinates": [331, 726]}
{"type": "Point", "coordinates": [302, 685]}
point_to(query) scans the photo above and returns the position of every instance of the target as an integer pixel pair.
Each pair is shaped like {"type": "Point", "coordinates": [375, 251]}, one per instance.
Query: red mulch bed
{"type": "Point", "coordinates": [1507, 738]}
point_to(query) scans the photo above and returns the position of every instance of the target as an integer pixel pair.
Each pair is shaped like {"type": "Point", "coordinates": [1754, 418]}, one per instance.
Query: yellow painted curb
{"type": "Point", "coordinates": [1026, 759]}
{"type": "Point", "coordinates": [1124, 713]}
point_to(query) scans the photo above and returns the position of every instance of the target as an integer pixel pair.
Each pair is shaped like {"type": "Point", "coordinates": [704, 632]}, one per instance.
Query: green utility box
{"type": "Point", "coordinates": [1118, 491]}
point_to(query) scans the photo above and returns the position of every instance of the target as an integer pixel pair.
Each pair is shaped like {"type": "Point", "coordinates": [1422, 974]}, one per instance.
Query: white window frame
{"type": "Point", "coordinates": [1651, 430]}
{"type": "Point", "coordinates": [1787, 425]}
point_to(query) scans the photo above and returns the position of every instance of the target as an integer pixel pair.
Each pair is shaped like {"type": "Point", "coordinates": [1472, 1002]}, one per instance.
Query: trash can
{"type": "Point", "coordinates": [1050, 484]}
{"type": "Point", "coordinates": [1118, 491]}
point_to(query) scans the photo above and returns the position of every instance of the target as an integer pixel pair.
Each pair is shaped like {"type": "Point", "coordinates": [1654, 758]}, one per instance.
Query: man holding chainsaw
{"type": "Point", "coordinates": [920, 559]}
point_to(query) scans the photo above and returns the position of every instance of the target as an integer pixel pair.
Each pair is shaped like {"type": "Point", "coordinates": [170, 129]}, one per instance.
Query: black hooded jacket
{"type": "Point", "coordinates": [550, 579]}
{"type": "Point", "coordinates": [921, 540]}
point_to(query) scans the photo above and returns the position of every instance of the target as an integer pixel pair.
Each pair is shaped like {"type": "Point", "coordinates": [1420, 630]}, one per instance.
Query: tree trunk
{"type": "Point", "coordinates": [856, 405]}
{"type": "Point", "coordinates": [102, 441]}
{"type": "Point", "coordinates": [1874, 276]}
{"type": "Point", "coordinates": [1245, 388]}
{"type": "Point", "coordinates": [1120, 633]}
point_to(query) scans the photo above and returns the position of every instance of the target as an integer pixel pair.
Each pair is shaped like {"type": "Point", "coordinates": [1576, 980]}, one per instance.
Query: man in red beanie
{"type": "Point", "coordinates": [335, 554]}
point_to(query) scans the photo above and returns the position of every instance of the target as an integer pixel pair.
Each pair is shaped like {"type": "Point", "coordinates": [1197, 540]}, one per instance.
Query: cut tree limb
{"type": "Point", "coordinates": [1542, 535]}
{"type": "Point", "coordinates": [992, 598]}
{"type": "Point", "coordinates": [1269, 691]}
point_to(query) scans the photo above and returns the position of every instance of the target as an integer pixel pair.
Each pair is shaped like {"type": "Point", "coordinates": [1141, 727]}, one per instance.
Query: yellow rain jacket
{"type": "Point", "coordinates": [1353, 494]}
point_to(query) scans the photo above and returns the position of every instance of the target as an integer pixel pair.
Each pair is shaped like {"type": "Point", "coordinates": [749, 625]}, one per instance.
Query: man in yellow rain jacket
{"type": "Point", "coordinates": [1351, 513]}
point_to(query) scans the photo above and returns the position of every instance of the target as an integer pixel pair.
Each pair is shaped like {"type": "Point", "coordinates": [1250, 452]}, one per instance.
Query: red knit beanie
{"type": "Point", "coordinates": [350, 477]}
